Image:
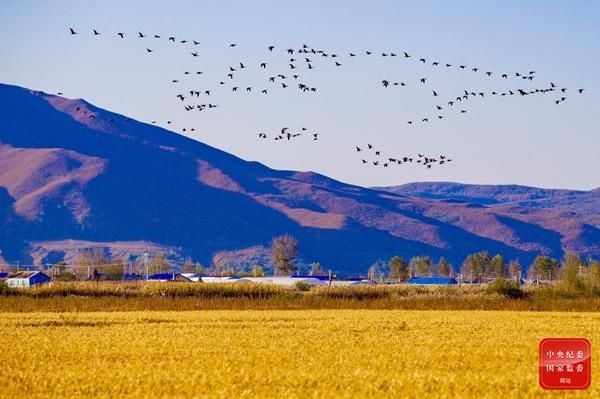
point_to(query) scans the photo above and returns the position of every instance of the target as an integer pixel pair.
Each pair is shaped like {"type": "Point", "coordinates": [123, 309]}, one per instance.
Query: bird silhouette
{"type": "Point", "coordinates": [72, 31]}
{"type": "Point", "coordinates": [96, 33]}
{"type": "Point", "coordinates": [121, 34]}
{"type": "Point", "coordinates": [141, 35]}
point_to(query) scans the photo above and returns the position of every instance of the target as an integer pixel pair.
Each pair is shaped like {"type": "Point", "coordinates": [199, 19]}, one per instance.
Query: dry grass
{"type": "Point", "coordinates": [291, 354]}
{"type": "Point", "coordinates": [131, 296]}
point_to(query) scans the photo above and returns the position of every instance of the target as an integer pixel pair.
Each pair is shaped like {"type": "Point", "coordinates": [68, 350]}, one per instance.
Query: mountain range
{"type": "Point", "coordinates": [74, 176]}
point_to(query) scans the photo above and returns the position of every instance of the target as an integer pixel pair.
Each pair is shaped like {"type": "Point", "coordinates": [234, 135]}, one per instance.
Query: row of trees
{"type": "Point", "coordinates": [482, 266]}
{"type": "Point", "coordinates": [477, 267]}
{"type": "Point", "coordinates": [115, 267]}
{"type": "Point", "coordinates": [398, 269]}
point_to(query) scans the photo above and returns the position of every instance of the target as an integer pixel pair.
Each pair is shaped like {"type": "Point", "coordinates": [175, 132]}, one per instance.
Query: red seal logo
{"type": "Point", "coordinates": [565, 363]}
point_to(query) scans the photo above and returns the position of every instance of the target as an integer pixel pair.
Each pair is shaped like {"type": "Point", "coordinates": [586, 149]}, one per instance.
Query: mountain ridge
{"type": "Point", "coordinates": [94, 177]}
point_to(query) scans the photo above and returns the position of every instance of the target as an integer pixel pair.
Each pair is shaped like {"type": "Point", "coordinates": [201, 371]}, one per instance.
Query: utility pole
{"type": "Point", "coordinates": [146, 263]}
{"type": "Point", "coordinates": [18, 265]}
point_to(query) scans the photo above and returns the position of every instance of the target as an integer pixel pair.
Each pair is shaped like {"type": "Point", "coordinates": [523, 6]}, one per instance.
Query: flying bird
{"type": "Point", "coordinates": [72, 31]}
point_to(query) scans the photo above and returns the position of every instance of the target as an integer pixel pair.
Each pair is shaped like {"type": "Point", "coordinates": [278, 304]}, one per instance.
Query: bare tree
{"type": "Point", "coordinates": [284, 250]}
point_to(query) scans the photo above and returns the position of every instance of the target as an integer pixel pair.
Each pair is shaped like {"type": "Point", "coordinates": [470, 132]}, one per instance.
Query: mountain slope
{"type": "Point", "coordinates": [585, 203]}
{"type": "Point", "coordinates": [74, 175]}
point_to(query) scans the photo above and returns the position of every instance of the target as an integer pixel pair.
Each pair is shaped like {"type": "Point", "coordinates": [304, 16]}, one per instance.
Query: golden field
{"type": "Point", "coordinates": [284, 353]}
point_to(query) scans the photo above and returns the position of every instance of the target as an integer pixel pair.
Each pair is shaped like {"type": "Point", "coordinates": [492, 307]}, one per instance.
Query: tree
{"type": "Point", "coordinates": [89, 259]}
{"type": "Point", "coordinates": [544, 267]}
{"type": "Point", "coordinates": [258, 271]}
{"type": "Point", "coordinates": [284, 250]}
{"type": "Point", "coordinates": [444, 268]}
{"type": "Point", "coordinates": [60, 273]}
{"type": "Point", "coordinates": [198, 268]}
{"type": "Point", "coordinates": [115, 269]}
{"type": "Point", "coordinates": [571, 272]}
{"type": "Point", "coordinates": [188, 266]}
{"type": "Point", "coordinates": [498, 266]}
{"type": "Point", "coordinates": [398, 269]}
{"type": "Point", "coordinates": [159, 264]}
{"type": "Point", "coordinates": [373, 272]}
{"type": "Point", "coordinates": [514, 269]}
{"type": "Point", "coordinates": [421, 266]}
{"type": "Point", "coordinates": [476, 266]}
{"type": "Point", "coordinates": [316, 269]}
{"type": "Point", "coordinates": [593, 275]}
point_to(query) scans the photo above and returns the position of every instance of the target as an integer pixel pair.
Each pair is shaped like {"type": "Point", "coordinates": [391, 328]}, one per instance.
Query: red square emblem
{"type": "Point", "coordinates": [565, 363]}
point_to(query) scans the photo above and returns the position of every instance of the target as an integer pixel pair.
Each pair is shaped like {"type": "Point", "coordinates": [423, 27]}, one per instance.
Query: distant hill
{"type": "Point", "coordinates": [586, 203]}
{"type": "Point", "coordinates": [73, 175]}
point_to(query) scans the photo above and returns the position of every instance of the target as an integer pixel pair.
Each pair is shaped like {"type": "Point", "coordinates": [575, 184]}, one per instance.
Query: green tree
{"type": "Point", "coordinates": [476, 266]}
{"type": "Point", "coordinates": [284, 250]}
{"type": "Point", "coordinates": [544, 268]}
{"type": "Point", "coordinates": [444, 268]}
{"type": "Point", "coordinates": [398, 269]}
{"type": "Point", "coordinates": [498, 267]}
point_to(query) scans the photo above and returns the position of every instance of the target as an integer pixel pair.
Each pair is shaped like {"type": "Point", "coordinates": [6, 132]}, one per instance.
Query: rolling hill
{"type": "Point", "coordinates": [73, 175]}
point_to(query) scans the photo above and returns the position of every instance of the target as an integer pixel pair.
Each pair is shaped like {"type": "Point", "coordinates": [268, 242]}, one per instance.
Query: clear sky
{"type": "Point", "coordinates": [513, 139]}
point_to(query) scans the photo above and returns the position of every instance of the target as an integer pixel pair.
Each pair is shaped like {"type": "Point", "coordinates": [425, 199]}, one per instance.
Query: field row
{"type": "Point", "coordinates": [318, 353]}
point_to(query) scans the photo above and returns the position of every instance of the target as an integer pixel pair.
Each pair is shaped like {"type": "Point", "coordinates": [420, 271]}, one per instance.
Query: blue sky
{"type": "Point", "coordinates": [527, 140]}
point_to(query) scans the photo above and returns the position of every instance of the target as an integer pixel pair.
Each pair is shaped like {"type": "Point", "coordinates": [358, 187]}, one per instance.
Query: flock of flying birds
{"type": "Point", "coordinates": [305, 58]}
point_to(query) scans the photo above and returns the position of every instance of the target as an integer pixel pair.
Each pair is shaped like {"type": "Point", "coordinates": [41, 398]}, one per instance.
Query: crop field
{"type": "Point", "coordinates": [283, 353]}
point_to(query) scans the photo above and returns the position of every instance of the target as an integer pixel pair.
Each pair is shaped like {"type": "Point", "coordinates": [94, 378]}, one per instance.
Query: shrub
{"type": "Point", "coordinates": [507, 289]}
{"type": "Point", "coordinates": [302, 286]}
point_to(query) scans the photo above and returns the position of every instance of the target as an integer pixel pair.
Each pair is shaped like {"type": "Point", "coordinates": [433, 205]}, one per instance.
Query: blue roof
{"type": "Point", "coordinates": [162, 276]}
{"type": "Point", "coordinates": [432, 280]}
{"type": "Point", "coordinates": [3, 275]}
